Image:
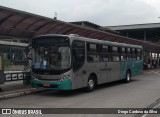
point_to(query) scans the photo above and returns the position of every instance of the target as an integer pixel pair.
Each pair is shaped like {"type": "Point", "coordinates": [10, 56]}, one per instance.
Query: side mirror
{"type": "Point", "coordinates": [29, 56]}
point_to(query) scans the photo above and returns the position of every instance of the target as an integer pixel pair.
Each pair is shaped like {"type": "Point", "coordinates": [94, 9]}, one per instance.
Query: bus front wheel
{"type": "Point", "coordinates": [90, 84]}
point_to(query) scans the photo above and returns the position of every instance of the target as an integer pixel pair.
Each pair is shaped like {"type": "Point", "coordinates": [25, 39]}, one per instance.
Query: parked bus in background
{"type": "Point", "coordinates": [67, 62]}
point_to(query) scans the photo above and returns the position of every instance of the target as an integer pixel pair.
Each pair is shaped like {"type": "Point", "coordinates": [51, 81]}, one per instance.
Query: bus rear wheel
{"type": "Point", "coordinates": [128, 77]}
{"type": "Point", "coordinates": [90, 84]}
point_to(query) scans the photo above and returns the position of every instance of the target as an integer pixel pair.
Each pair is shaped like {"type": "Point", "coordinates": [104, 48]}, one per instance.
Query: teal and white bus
{"type": "Point", "coordinates": [67, 62]}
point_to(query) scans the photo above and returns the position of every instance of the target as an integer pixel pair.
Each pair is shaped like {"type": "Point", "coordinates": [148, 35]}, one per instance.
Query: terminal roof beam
{"type": "Point", "coordinates": [26, 25]}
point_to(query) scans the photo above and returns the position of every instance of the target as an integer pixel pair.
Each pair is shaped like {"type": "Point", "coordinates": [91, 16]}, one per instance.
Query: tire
{"type": "Point", "coordinates": [128, 77]}
{"type": "Point", "coordinates": [90, 84]}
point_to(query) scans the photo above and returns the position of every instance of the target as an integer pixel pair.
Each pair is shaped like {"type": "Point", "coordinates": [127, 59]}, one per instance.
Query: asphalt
{"type": "Point", "coordinates": [17, 88]}
{"type": "Point", "coordinates": [142, 92]}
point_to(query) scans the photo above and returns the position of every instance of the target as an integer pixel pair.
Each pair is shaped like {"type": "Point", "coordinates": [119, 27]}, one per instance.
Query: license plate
{"type": "Point", "coordinates": [46, 85]}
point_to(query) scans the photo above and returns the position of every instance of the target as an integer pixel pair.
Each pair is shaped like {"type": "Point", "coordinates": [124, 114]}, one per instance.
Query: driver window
{"type": "Point", "coordinates": [78, 52]}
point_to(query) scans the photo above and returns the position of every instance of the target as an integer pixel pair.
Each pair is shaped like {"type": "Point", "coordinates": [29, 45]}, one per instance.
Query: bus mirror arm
{"type": "Point", "coordinates": [29, 58]}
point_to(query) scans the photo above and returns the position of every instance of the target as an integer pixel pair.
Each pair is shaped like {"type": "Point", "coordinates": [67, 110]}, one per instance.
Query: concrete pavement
{"type": "Point", "coordinates": [15, 89]}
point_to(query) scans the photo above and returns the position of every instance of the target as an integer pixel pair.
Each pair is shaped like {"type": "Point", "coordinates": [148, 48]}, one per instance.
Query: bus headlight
{"type": "Point", "coordinates": [35, 78]}
{"type": "Point", "coordinates": [65, 78]}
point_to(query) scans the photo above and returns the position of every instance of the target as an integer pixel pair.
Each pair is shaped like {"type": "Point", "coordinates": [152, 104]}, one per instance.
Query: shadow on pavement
{"type": "Point", "coordinates": [82, 91]}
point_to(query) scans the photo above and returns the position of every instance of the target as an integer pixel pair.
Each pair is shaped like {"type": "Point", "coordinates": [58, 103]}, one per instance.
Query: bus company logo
{"type": "Point", "coordinates": [6, 111]}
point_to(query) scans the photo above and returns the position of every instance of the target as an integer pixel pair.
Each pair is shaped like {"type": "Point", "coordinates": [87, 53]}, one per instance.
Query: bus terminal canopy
{"type": "Point", "coordinates": [26, 25]}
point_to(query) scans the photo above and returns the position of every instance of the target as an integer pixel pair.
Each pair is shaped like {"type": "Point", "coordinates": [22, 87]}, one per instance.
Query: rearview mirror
{"type": "Point", "coordinates": [28, 52]}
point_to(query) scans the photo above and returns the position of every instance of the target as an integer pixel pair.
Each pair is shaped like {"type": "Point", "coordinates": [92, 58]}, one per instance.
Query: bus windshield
{"type": "Point", "coordinates": [51, 55]}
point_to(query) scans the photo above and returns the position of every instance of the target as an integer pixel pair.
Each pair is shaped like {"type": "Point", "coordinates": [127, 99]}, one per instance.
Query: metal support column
{"type": "Point", "coordinates": [145, 35]}
{"type": "Point", "coordinates": [151, 60]}
{"type": "Point", "coordinates": [158, 59]}
{"type": "Point", "coordinates": [127, 34]}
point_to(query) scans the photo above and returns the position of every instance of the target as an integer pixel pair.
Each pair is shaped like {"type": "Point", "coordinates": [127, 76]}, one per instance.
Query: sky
{"type": "Point", "coordinates": [101, 12]}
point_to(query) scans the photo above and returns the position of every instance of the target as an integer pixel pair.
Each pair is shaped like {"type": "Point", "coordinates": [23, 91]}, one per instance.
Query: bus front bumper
{"type": "Point", "coordinates": [65, 85]}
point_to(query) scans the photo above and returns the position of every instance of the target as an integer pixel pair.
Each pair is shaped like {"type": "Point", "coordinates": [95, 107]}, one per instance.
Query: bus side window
{"type": "Point", "coordinates": [105, 54]}
{"type": "Point", "coordinates": [115, 53]}
{"type": "Point", "coordinates": [110, 53]}
{"type": "Point", "coordinates": [92, 52]}
{"type": "Point", "coordinates": [78, 54]}
{"type": "Point", "coordinates": [133, 54]}
{"type": "Point", "coordinates": [100, 53]}
{"type": "Point", "coordinates": [128, 54]}
{"type": "Point", "coordinates": [123, 54]}
{"type": "Point", "coordinates": [139, 54]}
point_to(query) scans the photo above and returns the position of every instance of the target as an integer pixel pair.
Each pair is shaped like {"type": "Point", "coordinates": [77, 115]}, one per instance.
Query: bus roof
{"type": "Point", "coordinates": [104, 41]}
{"type": "Point", "coordinates": [94, 40]}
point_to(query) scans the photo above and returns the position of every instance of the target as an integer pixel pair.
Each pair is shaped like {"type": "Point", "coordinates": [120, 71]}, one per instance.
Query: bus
{"type": "Point", "coordinates": [68, 62]}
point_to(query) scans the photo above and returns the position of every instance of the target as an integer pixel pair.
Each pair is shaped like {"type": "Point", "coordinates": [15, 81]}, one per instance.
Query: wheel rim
{"type": "Point", "coordinates": [91, 83]}
{"type": "Point", "coordinates": [128, 77]}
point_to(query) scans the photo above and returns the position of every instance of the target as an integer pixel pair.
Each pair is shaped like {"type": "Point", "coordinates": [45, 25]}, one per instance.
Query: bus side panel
{"type": "Point", "coordinates": [78, 78]}
{"type": "Point", "coordinates": [136, 68]}
{"type": "Point", "coordinates": [127, 65]}
{"type": "Point", "coordinates": [93, 68]}
{"type": "Point", "coordinates": [113, 71]}
{"type": "Point", "coordinates": [123, 70]}
{"type": "Point", "coordinates": [103, 72]}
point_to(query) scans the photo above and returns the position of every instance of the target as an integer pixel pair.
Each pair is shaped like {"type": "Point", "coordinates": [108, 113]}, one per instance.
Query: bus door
{"type": "Point", "coordinates": [78, 58]}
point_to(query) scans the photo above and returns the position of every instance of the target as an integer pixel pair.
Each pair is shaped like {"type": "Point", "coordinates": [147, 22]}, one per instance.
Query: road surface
{"type": "Point", "coordinates": [143, 91]}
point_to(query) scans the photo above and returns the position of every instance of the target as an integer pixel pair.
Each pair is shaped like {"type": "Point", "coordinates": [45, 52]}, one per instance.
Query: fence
{"type": "Point", "coordinates": [15, 76]}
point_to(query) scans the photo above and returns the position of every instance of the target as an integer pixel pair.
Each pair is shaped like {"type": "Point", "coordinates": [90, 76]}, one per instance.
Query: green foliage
{"type": "Point", "coordinates": [27, 68]}
{"type": "Point", "coordinates": [8, 63]}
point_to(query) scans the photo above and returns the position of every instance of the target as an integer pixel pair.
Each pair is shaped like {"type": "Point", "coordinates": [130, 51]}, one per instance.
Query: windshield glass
{"type": "Point", "coordinates": [51, 56]}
